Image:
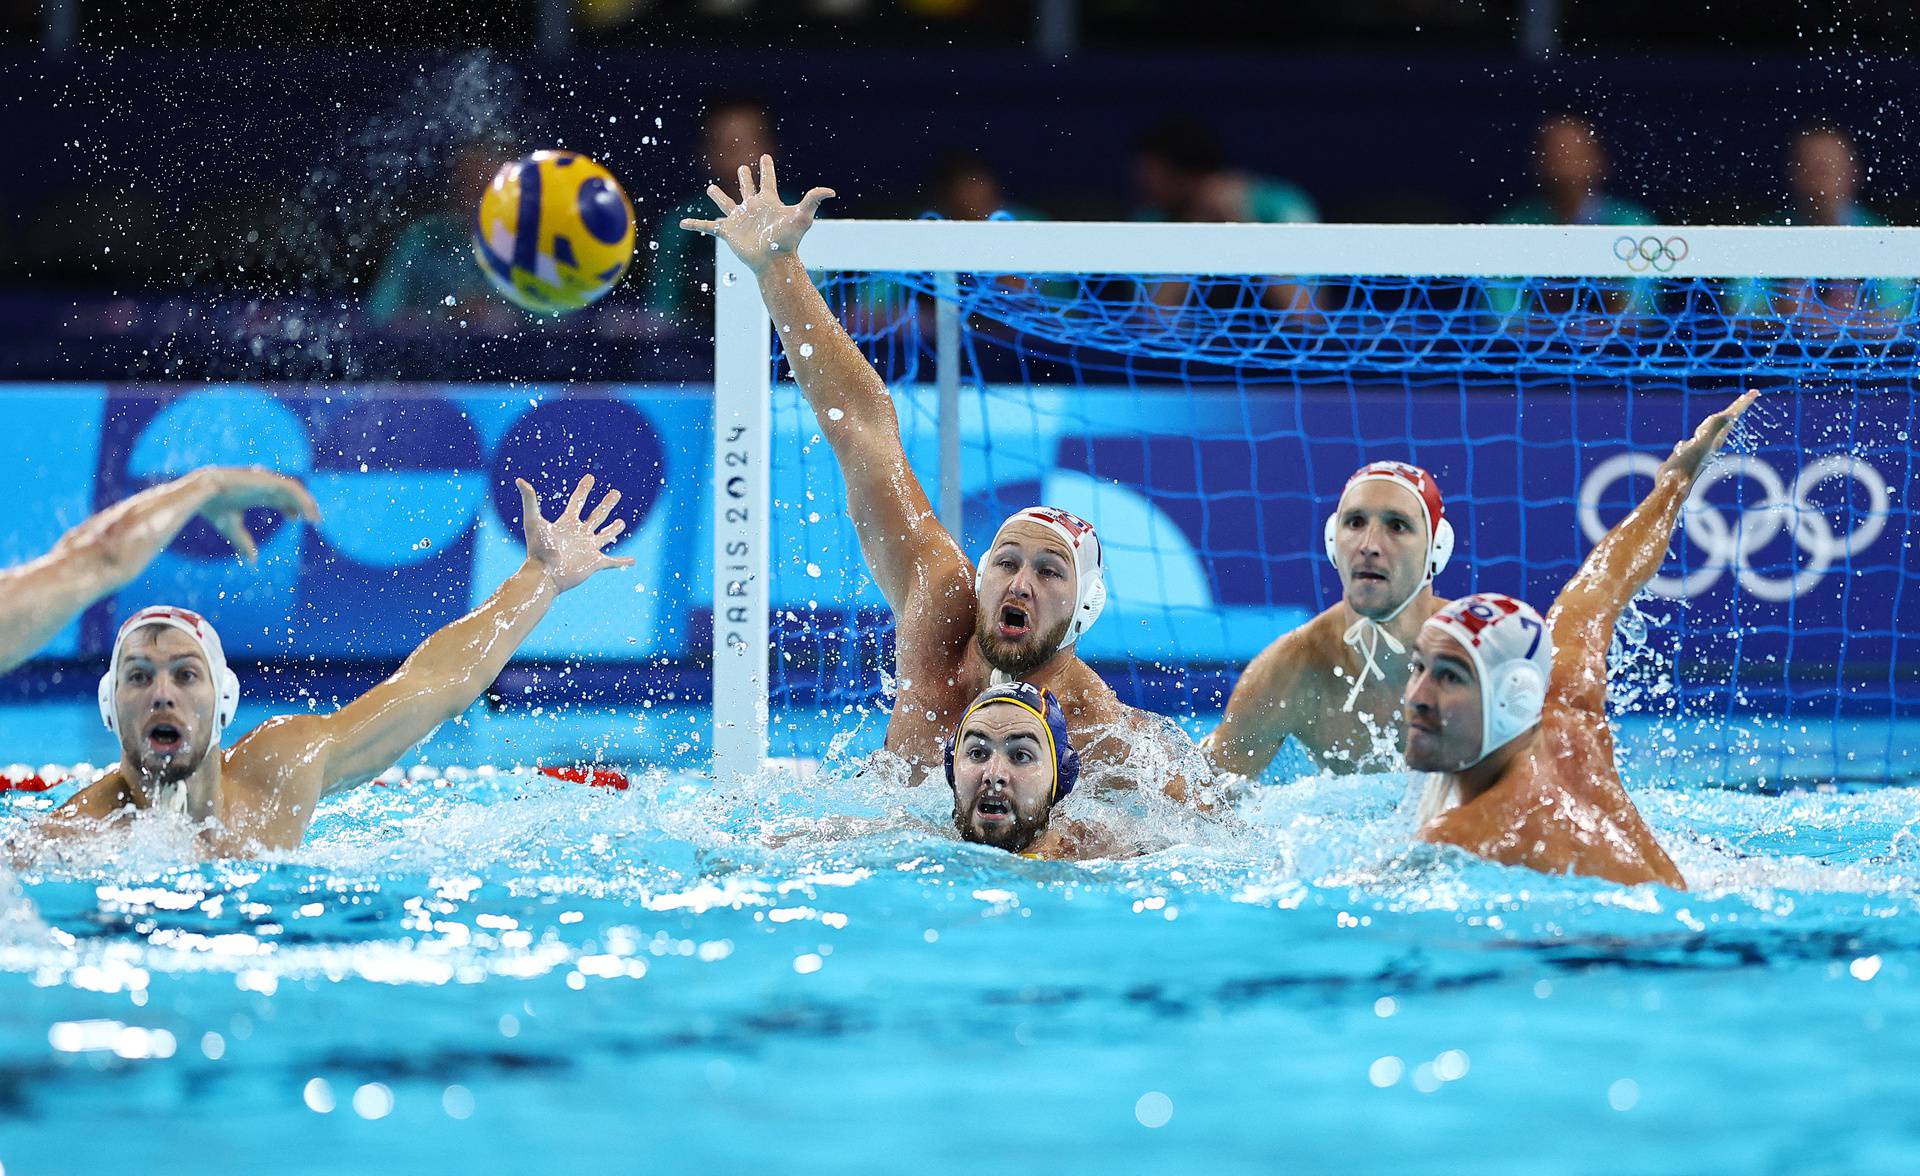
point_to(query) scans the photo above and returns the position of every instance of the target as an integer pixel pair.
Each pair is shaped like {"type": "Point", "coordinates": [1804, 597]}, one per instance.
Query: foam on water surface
{"type": "Point", "coordinates": [809, 968]}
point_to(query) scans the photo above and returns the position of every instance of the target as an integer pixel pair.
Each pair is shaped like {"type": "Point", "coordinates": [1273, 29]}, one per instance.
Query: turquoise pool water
{"type": "Point", "coordinates": [508, 973]}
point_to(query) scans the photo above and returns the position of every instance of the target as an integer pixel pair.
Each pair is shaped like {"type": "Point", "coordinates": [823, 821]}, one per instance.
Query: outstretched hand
{"type": "Point", "coordinates": [572, 548]}
{"type": "Point", "coordinates": [237, 489]}
{"type": "Point", "coordinates": [1691, 454]}
{"type": "Point", "coordinates": [759, 228]}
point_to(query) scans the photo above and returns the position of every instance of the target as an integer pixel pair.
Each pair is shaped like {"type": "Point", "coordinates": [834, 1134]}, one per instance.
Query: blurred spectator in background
{"type": "Point", "coordinates": [1823, 181]}
{"type": "Point", "coordinates": [965, 186]}
{"type": "Point", "coordinates": [736, 130]}
{"type": "Point", "coordinates": [432, 258]}
{"type": "Point", "coordinates": [1180, 174]}
{"type": "Point", "coordinates": [1823, 189]}
{"type": "Point", "coordinates": [1571, 166]}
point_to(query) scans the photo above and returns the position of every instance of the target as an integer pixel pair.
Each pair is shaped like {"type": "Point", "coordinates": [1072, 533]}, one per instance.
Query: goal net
{"type": "Point", "coordinates": [1202, 392]}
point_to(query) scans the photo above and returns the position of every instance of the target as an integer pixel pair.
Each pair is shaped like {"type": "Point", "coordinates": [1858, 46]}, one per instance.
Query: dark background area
{"type": "Point", "coordinates": [177, 172]}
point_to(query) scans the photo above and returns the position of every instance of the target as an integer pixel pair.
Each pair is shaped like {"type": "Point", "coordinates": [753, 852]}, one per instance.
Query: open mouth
{"type": "Point", "coordinates": [993, 808]}
{"type": "Point", "coordinates": [1367, 574]}
{"type": "Point", "coordinates": [1013, 620]}
{"type": "Point", "coordinates": [165, 738]}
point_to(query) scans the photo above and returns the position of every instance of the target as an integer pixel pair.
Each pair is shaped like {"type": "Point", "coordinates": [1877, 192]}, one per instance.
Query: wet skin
{"type": "Point", "coordinates": [1299, 685]}
{"type": "Point", "coordinates": [944, 636]}
{"type": "Point", "coordinates": [260, 794]}
{"type": "Point", "coordinates": [1551, 798]}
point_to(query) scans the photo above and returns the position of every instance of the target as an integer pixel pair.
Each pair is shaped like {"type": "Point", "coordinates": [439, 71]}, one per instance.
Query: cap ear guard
{"type": "Point", "coordinates": [1069, 774]}
{"type": "Point", "coordinates": [1094, 604]}
{"type": "Point", "coordinates": [1442, 550]}
{"type": "Point", "coordinates": [1518, 695]}
{"type": "Point", "coordinates": [106, 702]}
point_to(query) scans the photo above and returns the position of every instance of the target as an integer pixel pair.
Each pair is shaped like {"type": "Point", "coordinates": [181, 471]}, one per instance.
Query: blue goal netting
{"type": "Point", "coordinates": [1207, 424]}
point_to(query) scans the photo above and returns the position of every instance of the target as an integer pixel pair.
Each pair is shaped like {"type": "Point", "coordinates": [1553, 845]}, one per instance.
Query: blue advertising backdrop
{"type": "Point", "coordinates": [1791, 566]}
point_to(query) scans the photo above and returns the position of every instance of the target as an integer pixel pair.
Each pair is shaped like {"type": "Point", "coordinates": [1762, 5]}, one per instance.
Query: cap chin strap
{"type": "Point", "coordinates": [171, 798]}
{"type": "Point", "coordinates": [1365, 636]}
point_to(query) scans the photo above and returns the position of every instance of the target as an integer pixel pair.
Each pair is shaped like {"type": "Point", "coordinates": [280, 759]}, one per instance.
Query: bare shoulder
{"type": "Point", "coordinates": [1512, 822]}
{"type": "Point", "coordinates": [1311, 649]}
{"type": "Point", "coordinates": [97, 801]}
{"type": "Point", "coordinates": [281, 737]}
{"type": "Point", "coordinates": [277, 751]}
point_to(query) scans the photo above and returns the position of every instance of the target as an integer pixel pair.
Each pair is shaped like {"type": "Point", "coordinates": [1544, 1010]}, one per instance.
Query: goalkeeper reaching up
{"type": "Point", "coordinates": [958, 628]}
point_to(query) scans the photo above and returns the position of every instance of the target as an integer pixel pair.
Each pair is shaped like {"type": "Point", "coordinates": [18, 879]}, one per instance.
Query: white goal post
{"type": "Point", "coordinates": [743, 344]}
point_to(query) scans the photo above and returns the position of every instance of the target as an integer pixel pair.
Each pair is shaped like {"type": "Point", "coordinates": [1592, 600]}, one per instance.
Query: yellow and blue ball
{"type": "Point", "coordinates": [554, 231]}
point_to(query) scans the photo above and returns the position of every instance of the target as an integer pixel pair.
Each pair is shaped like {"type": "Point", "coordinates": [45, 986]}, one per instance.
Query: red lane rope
{"type": "Point", "coordinates": [594, 777]}
{"type": "Point", "coordinates": [22, 779]}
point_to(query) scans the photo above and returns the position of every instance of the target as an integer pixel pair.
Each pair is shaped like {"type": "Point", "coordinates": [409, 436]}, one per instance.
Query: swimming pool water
{"type": "Point", "coordinates": [512, 973]}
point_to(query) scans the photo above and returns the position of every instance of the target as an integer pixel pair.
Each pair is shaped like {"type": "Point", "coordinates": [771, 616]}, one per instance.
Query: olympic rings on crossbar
{"type": "Point", "coordinates": [1650, 253]}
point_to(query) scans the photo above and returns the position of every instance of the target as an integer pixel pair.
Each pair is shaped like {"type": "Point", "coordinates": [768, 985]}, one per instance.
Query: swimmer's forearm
{"type": "Point", "coordinates": [1622, 563]}
{"type": "Point", "coordinates": [437, 682]}
{"type": "Point", "coordinates": [849, 397]}
{"type": "Point", "coordinates": [902, 541]}
{"type": "Point", "coordinates": [100, 556]}
{"type": "Point", "coordinates": [453, 666]}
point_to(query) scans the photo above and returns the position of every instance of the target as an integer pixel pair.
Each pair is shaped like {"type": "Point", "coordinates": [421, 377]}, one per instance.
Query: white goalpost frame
{"type": "Point", "coordinates": [743, 349]}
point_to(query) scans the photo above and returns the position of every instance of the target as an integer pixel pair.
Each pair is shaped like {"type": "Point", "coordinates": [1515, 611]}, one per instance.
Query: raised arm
{"type": "Point", "coordinates": [105, 553]}
{"type": "Point", "coordinates": [908, 551]}
{"type": "Point", "coordinates": [451, 668]}
{"type": "Point", "coordinates": [1260, 712]}
{"type": "Point", "coordinates": [1620, 565]}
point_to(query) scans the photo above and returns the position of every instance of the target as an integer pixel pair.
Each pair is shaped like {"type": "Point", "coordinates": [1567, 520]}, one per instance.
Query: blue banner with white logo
{"type": "Point", "coordinates": [1795, 554]}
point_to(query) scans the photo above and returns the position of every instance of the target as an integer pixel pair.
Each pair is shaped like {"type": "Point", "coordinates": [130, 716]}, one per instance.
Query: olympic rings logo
{"type": "Point", "coordinates": [1782, 508]}
{"type": "Point", "coordinates": [1650, 253]}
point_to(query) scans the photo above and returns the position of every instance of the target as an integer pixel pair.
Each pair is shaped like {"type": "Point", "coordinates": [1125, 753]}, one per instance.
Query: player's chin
{"type": "Point", "coordinates": [1426, 752]}
{"type": "Point", "coordinates": [1371, 598]}
{"type": "Point", "coordinates": [1009, 833]}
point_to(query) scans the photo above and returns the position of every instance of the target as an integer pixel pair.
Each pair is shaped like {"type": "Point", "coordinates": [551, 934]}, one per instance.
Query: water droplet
{"type": "Point", "coordinates": [806, 352]}
{"type": "Point", "coordinates": [834, 414]}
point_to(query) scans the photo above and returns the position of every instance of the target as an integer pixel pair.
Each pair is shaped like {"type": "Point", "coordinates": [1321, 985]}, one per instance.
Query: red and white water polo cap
{"type": "Point", "coordinates": [1089, 573]}
{"type": "Point", "coordinates": [1433, 509]}
{"type": "Point", "coordinates": [1512, 655]}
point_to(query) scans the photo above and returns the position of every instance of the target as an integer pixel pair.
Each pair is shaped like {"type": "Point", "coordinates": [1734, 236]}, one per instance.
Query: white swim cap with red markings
{"type": "Point", "coordinates": [1512, 654]}
{"type": "Point", "coordinates": [1433, 512]}
{"type": "Point", "coordinates": [225, 683]}
{"type": "Point", "coordinates": [1089, 573]}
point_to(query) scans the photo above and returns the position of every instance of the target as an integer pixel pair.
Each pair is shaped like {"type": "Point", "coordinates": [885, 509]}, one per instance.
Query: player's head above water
{"type": "Point", "coordinates": [1388, 537]}
{"type": "Point", "coordinates": [1039, 586]}
{"type": "Point", "coordinates": [167, 693]}
{"type": "Point", "coordinates": [1009, 763]}
{"type": "Point", "coordinates": [1480, 670]}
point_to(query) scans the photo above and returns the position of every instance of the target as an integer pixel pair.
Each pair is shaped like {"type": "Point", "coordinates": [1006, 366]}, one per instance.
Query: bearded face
{"type": "Point", "coordinates": [164, 704]}
{"type": "Point", "coordinates": [1003, 778]}
{"type": "Point", "coordinates": [1441, 707]}
{"type": "Point", "coordinates": [1026, 599]}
